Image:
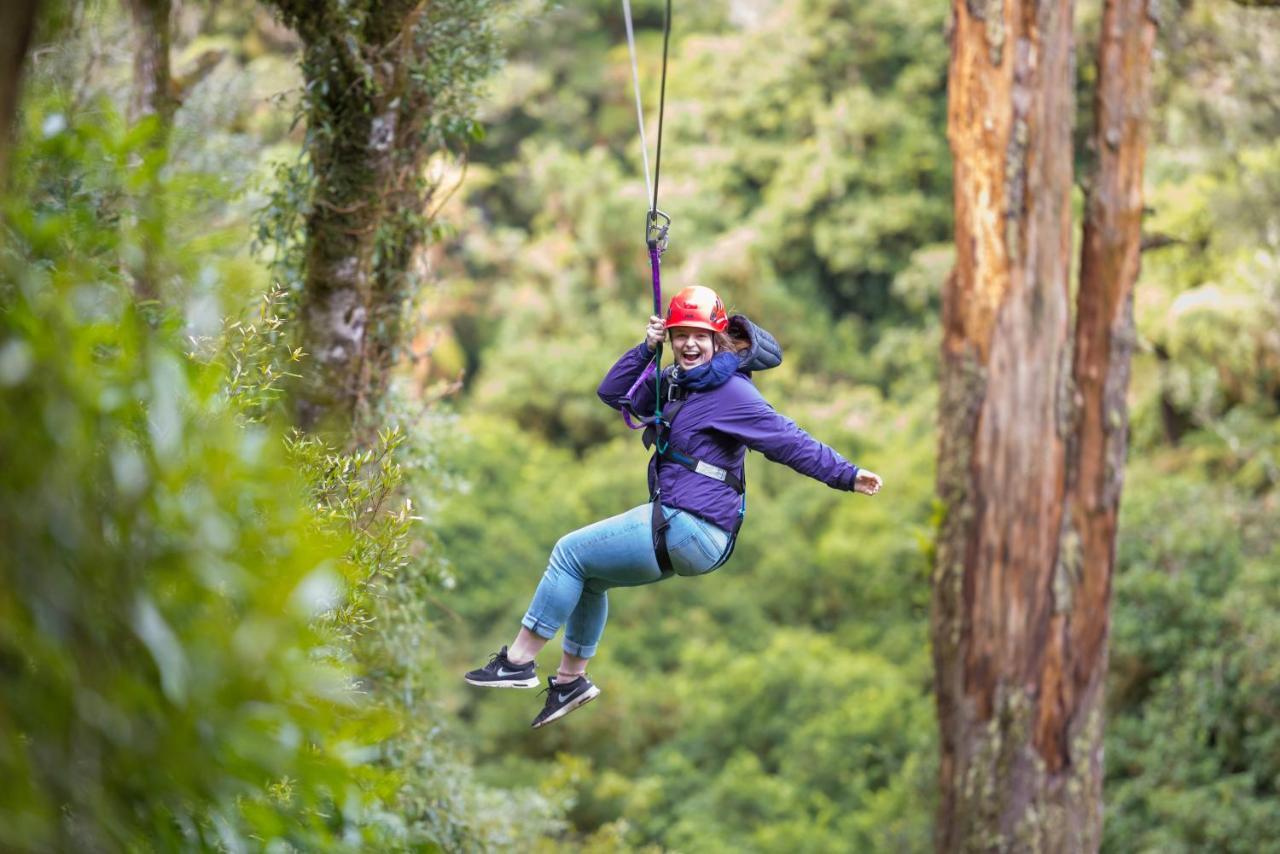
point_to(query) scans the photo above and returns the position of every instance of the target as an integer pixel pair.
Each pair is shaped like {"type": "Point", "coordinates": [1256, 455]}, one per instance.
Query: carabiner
{"type": "Point", "coordinates": [656, 226]}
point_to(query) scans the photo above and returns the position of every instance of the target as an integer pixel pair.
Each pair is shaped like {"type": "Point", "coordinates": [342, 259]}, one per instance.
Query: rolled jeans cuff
{"type": "Point", "coordinates": [539, 628]}
{"type": "Point", "coordinates": [577, 649]}
{"type": "Point", "coordinates": [548, 631]}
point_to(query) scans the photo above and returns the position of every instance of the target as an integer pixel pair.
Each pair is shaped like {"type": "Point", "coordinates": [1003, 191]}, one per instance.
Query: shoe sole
{"type": "Point", "coordinates": [581, 700]}
{"type": "Point", "coordinates": [522, 683]}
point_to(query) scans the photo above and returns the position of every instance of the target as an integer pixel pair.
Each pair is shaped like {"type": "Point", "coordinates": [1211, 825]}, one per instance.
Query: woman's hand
{"type": "Point", "coordinates": [655, 332]}
{"type": "Point", "coordinates": [867, 482]}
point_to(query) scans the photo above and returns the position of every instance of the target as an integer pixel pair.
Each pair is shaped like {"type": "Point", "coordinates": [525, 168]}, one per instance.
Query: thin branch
{"type": "Point", "coordinates": [452, 190]}
{"type": "Point", "coordinates": [352, 208]}
{"type": "Point", "coordinates": [1158, 240]}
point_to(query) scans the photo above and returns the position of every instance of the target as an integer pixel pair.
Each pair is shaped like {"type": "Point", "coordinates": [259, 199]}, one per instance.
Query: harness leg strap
{"type": "Point", "coordinates": [660, 523]}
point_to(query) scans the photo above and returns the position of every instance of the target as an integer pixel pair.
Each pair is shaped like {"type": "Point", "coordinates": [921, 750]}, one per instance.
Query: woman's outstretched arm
{"type": "Point", "coordinates": [748, 417]}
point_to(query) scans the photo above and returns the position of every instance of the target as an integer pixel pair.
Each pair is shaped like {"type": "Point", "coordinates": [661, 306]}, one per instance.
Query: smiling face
{"type": "Point", "coordinates": [692, 346]}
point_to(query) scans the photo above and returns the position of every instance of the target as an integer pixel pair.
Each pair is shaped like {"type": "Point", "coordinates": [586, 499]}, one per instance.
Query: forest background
{"type": "Point", "coordinates": [220, 634]}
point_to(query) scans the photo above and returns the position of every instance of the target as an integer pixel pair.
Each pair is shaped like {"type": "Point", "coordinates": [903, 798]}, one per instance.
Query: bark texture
{"type": "Point", "coordinates": [17, 23]}
{"type": "Point", "coordinates": [151, 98]}
{"type": "Point", "coordinates": [1104, 342]}
{"type": "Point", "coordinates": [1003, 449]}
{"type": "Point", "coordinates": [1022, 575]}
{"type": "Point", "coordinates": [353, 164]}
{"type": "Point", "coordinates": [370, 97]}
{"type": "Point", "coordinates": [152, 75]}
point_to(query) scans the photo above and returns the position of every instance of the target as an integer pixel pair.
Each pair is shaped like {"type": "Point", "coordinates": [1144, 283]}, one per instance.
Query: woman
{"type": "Point", "coordinates": [711, 414]}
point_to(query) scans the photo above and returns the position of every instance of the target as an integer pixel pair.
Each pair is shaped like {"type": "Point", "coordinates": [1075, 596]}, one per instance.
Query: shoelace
{"type": "Point", "coordinates": [550, 685]}
{"type": "Point", "coordinates": [495, 661]}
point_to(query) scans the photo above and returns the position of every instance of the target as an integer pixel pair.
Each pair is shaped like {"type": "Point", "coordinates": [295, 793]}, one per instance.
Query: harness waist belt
{"type": "Point", "coordinates": [710, 471]}
{"type": "Point", "coordinates": [653, 437]}
{"type": "Point", "coordinates": [702, 467]}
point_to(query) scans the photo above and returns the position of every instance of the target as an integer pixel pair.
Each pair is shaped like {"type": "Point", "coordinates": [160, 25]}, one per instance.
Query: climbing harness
{"type": "Point", "coordinates": [658, 436]}
{"type": "Point", "coordinates": [657, 427]}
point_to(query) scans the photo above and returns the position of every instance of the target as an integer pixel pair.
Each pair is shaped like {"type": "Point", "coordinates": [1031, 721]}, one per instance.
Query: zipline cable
{"type": "Point", "coordinates": [662, 102]}
{"type": "Point", "coordinates": [635, 80]}
{"type": "Point", "coordinates": [650, 184]}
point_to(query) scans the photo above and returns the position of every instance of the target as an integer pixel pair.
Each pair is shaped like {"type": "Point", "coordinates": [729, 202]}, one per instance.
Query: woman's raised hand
{"type": "Point", "coordinates": [867, 482]}
{"type": "Point", "coordinates": [655, 332]}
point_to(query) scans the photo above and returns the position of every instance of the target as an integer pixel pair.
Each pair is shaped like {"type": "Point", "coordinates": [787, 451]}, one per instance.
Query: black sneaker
{"type": "Point", "coordinates": [563, 699]}
{"type": "Point", "coordinates": [501, 673]}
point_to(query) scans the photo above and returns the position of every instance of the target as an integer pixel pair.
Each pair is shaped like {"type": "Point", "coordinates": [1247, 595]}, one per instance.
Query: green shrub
{"type": "Point", "coordinates": [161, 668]}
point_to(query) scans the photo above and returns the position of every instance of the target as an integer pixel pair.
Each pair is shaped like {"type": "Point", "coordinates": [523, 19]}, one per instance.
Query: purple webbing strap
{"type": "Point", "coordinates": [626, 407]}
{"type": "Point", "coordinates": [655, 265]}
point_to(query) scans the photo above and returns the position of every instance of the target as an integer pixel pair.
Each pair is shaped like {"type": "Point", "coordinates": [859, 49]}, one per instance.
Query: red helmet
{"type": "Point", "coordinates": [699, 307]}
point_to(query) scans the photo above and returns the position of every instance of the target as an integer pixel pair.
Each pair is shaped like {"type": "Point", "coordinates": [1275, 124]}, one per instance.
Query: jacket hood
{"type": "Point", "coordinates": [763, 351]}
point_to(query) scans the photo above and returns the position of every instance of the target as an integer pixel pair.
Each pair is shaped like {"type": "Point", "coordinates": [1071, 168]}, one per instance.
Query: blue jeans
{"type": "Point", "coordinates": [616, 552]}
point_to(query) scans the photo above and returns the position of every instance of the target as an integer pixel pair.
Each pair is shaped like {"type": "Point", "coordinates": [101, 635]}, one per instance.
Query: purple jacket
{"type": "Point", "coordinates": [717, 426]}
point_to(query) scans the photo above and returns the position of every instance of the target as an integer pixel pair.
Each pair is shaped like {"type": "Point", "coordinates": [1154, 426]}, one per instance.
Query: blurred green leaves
{"type": "Point", "coordinates": [162, 689]}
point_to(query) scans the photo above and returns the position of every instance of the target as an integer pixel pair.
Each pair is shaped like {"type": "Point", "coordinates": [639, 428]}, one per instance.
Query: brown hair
{"type": "Point", "coordinates": [726, 342]}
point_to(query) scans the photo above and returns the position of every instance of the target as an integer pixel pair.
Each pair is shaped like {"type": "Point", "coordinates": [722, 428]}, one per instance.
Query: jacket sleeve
{"type": "Point", "coordinates": [613, 388]}
{"type": "Point", "coordinates": [748, 417]}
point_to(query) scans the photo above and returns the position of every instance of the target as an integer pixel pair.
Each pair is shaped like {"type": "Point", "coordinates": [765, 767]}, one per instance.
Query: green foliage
{"type": "Point", "coordinates": [252, 353]}
{"type": "Point", "coordinates": [1192, 760]}
{"type": "Point", "coordinates": [213, 630]}
{"type": "Point", "coordinates": [1210, 304]}
{"type": "Point", "coordinates": [836, 138]}
{"type": "Point", "coordinates": [489, 536]}
{"type": "Point", "coordinates": [805, 744]}
{"type": "Point", "coordinates": [357, 494]}
{"type": "Point", "coordinates": [429, 797]}
{"type": "Point", "coordinates": [161, 571]}
{"type": "Point", "coordinates": [1191, 743]}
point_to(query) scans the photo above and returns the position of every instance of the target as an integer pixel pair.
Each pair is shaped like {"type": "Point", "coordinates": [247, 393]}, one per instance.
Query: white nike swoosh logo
{"type": "Point", "coordinates": [562, 697]}
{"type": "Point", "coordinates": [502, 671]}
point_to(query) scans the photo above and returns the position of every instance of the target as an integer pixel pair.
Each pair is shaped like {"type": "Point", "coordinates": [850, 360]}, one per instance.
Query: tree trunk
{"type": "Point", "coordinates": [1005, 774]}
{"type": "Point", "coordinates": [1104, 341]}
{"type": "Point", "coordinates": [17, 23]}
{"type": "Point", "coordinates": [365, 113]}
{"type": "Point", "coordinates": [352, 169]}
{"type": "Point", "coordinates": [1032, 428]}
{"type": "Point", "coordinates": [151, 97]}
{"type": "Point", "coordinates": [388, 83]}
{"type": "Point", "coordinates": [362, 163]}
{"type": "Point", "coordinates": [151, 68]}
